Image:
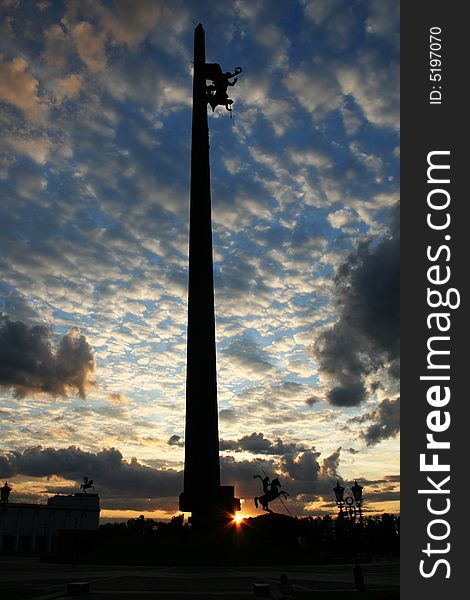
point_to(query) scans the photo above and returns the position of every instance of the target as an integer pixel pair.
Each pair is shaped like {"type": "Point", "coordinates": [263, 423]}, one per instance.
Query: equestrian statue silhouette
{"type": "Point", "coordinates": [271, 492]}
{"type": "Point", "coordinates": [87, 484]}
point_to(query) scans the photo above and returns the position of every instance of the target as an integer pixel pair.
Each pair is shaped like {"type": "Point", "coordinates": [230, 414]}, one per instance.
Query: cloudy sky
{"type": "Point", "coordinates": [95, 100]}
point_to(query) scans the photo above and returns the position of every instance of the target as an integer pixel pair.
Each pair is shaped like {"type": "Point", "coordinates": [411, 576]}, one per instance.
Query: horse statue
{"type": "Point", "coordinates": [271, 492]}
{"type": "Point", "coordinates": [87, 484]}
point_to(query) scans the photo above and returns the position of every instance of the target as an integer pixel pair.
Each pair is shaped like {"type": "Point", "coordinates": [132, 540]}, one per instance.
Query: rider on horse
{"type": "Point", "coordinates": [266, 482]}
{"type": "Point", "coordinates": [271, 492]}
{"type": "Point", "coordinates": [87, 484]}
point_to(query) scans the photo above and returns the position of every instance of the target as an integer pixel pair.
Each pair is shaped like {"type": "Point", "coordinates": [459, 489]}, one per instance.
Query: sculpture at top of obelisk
{"type": "Point", "coordinates": [217, 91]}
{"type": "Point", "coordinates": [203, 496]}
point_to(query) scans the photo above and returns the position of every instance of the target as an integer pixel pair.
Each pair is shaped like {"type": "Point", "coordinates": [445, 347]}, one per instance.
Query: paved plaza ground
{"type": "Point", "coordinates": [28, 578]}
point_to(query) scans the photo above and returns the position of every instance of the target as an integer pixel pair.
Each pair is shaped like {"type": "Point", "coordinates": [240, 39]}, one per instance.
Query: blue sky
{"type": "Point", "coordinates": [95, 102]}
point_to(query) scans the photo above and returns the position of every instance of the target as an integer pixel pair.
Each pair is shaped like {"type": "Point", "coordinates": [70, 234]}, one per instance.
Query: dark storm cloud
{"type": "Point", "coordinates": [386, 421]}
{"type": "Point", "coordinates": [28, 364]}
{"type": "Point", "coordinates": [256, 443]}
{"type": "Point", "coordinates": [15, 305]}
{"type": "Point", "coordinates": [114, 477]}
{"type": "Point", "coordinates": [132, 485]}
{"type": "Point", "coordinates": [388, 482]}
{"type": "Point", "coordinates": [387, 496]}
{"type": "Point", "coordinates": [304, 466]}
{"type": "Point", "coordinates": [307, 474]}
{"type": "Point", "coordinates": [175, 440]}
{"type": "Point", "coordinates": [347, 395]}
{"type": "Point", "coordinates": [366, 336]}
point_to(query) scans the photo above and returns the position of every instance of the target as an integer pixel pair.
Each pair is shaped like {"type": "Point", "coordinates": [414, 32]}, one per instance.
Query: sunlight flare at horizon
{"type": "Point", "coordinates": [238, 519]}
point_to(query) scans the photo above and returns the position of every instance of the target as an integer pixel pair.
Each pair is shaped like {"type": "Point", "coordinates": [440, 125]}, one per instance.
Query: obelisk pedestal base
{"type": "Point", "coordinates": [211, 510]}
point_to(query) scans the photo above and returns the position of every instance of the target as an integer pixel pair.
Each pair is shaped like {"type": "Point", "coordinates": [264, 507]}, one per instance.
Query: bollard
{"type": "Point", "coordinates": [359, 578]}
{"type": "Point", "coordinates": [77, 588]}
{"type": "Point", "coordinates": [261, 590]}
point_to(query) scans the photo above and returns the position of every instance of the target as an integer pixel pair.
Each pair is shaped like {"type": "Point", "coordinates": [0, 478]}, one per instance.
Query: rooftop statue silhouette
{"type": "Point", "coordinates": [87, 484]}
{"type": "Point", "coordinates": [271, 491]}
{"type": "Point", "coordinates": [5, 492]}
{"type": "Point", "coordinates": [217, 91]}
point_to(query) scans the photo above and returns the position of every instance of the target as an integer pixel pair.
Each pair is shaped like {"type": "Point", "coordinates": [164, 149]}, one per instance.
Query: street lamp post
{"type": "Point", "coordinates": [351, 506]}
{"type": "Point", "coordinates": [357, 494]}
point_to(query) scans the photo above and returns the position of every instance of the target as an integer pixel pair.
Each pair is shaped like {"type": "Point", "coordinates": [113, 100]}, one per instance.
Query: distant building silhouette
{"type": "Point", "coordinates": [37, 528]}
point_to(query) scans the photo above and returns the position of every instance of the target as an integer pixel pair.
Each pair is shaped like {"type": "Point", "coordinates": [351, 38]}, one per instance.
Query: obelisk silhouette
{"type": "Point", "coordinates": [203, 496]}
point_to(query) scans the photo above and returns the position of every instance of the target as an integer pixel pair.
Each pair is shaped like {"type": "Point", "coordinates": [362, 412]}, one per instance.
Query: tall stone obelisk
{"type": "Point", "coordinates": [203, 496]}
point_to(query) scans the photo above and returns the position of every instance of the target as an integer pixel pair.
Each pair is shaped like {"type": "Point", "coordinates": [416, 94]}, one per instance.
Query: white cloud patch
{"type": "Point", "coordinates": [90, 45]}
{"type": "Point", "coordinates": [340, 218]}
{"type": "Point", "coordinates": [19, 87]}
{"type": "Point", "coordinates": [315, 88]}
{"type": "Point", "coordinates": [320, 11]}
{"type": "Point", "coordinates": [374, 86]}
{"type": "Point", "coordinates": [383, 18]}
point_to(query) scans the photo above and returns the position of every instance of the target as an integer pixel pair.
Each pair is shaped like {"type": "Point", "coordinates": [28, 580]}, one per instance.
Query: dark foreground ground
{"type": "Point", "coordinates": [28, 579]}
